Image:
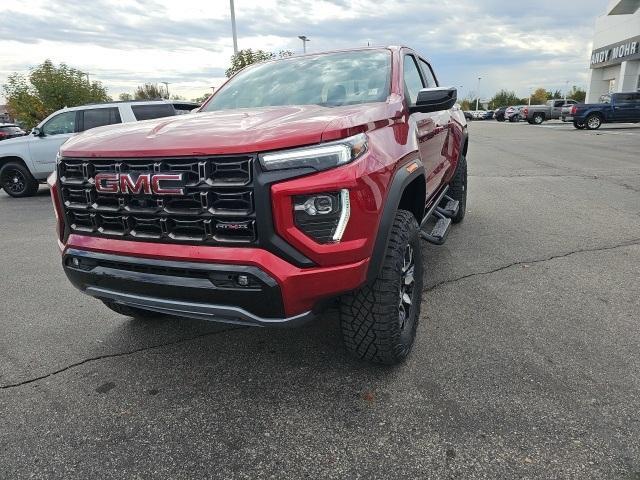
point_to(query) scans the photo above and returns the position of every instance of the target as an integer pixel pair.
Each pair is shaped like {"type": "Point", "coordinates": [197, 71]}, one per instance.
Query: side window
{"type": "Point", "coordinates": [623, 97]}
{"type": "Point", "coordinates": [428, 74]}
{"type": "Point", "coordinates": [98, 117]}
{"type": "Point", "coordinates": [559, 103]}
{"type": "Point", "coordinates": [62, 123]}
{"type": "Point", "coordinates": [412, 80]}
{"type": "Point", "coordinates": [571, 102]}
{"type": "Point", "coordinates": [147, 112]}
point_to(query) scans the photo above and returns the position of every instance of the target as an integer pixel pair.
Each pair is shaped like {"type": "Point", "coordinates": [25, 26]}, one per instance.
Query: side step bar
{"type": "Point", "coordinates": [438, 235]}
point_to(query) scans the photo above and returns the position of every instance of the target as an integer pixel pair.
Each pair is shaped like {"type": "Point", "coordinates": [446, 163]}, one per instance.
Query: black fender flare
{"type": "Point", "coordinates": [401, 179]}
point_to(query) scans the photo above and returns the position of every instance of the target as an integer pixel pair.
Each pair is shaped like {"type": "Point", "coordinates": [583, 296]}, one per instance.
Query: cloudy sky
{"type": "Point", "coordinates": [514, 44]}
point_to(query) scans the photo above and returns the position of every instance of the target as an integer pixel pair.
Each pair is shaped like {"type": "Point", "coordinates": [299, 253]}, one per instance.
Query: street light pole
{"type": "Point", "coordinates": [566, 87]}
{"type": "Point", "coordinates": [233, 27]}
{"type": "Point", "coordinates": [478, 94]}
{"type": "Point", "coordinates": [304, 42]}
{"type": "Point", "coordinates": [166, 86]}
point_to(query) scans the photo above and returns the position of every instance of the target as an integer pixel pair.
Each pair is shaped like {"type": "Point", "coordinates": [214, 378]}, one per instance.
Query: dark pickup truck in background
{"type": "Point", "coordinates": [613, 108]}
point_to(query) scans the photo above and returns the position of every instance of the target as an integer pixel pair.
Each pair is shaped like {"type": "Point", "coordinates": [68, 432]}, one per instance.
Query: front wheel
{"type": "Point", "coordinates": [17, 181]}
{"type": "Point", "coordinates": [379, 320]}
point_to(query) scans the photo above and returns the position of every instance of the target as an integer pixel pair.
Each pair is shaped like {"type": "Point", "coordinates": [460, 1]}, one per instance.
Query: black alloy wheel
{"type": "Point", "coordinates": [14, 182]}
{"type": "Point", "coordinates": [407, 297]}
{"type": "Point", "coordinates": [17, 181]}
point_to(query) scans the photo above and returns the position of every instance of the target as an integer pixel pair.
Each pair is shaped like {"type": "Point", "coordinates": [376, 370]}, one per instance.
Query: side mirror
{"type": "Point", "coordinates": [37, 132]}
{"type": "Point", "coordinates": [435, 99]}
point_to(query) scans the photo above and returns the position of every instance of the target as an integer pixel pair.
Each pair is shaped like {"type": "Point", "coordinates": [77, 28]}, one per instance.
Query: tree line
{"type": "Point", "coordinates": [507, 98]}
{"type": "Point", "coordinates": [47, 88]}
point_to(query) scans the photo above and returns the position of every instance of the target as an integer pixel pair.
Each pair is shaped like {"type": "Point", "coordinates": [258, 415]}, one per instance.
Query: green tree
{"type": "Point", "coordinates": [201, 99]}
{"type": "Point", "coordinates": [504, 98]}
{"type": "Point", "coordinates": [577, 94]}
{"type": "Point", "coordinates": [247, 57]}
{"type": "Point", "coordinates": [539, 96]}
{"type": "Point", "coordinates": [557, 95]}
{"type": "Point", "coordinates": [48, 88]}
{"type": "Point", "coordinates": [149, 91]}
{"type": "Point", "coordinates": [125, 97]}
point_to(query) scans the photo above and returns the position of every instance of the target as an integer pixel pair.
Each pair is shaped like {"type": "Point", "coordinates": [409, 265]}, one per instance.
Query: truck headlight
{"type": "Point", "coordinates": [319, 157]}
{"type": "Point", "coordinates": [322, 216]}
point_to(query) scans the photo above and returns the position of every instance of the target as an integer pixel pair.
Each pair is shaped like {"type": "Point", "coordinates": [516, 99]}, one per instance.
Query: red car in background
{"type": "Point", "coordinates": [10, 130]}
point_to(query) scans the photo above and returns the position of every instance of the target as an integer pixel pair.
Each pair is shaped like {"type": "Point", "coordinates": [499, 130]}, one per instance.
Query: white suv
{"type": "Point", "coordinates": [27, 161]}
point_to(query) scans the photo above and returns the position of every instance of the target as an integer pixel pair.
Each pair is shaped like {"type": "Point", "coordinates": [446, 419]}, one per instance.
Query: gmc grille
{"type": "Point", "coordinates": [217, 206]}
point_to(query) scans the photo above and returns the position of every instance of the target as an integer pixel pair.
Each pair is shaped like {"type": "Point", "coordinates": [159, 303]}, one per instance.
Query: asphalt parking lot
{"type": "Point", "coordinates": [526, 365]}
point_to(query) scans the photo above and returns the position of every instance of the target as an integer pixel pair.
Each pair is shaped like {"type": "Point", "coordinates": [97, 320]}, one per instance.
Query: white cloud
{"type": "Point", "coordinates": [126, 42]}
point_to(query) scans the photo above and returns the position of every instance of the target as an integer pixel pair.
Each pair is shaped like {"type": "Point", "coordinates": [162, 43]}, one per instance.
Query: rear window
{"type": "Point", "coordinates": [147, 112]}
{"type": "Point", "coordinates": [182, 108]}
{"type": "Point", "coordinates": [99, 117]}
{"type": "Point", "coordinates": [10, 129]}
{"type": "Point", "coordinates": [628, 97]}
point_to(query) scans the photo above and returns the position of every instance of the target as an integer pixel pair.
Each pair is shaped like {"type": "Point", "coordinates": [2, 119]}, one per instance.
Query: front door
{"type": "Point", "coordinates": [429, 129]}
{"type": "Point", "coordinates": [55, 132]}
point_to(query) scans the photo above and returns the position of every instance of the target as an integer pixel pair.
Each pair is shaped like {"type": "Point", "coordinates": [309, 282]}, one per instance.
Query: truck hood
{"type": "Point", "coordinates": [228, 131]}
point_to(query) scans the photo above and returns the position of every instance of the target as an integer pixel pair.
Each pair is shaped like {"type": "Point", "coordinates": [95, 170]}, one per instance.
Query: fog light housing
{"type": "Point", "coordinates": [322, 216]}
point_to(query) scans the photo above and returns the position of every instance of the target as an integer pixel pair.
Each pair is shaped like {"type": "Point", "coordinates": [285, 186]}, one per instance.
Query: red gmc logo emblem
{"type": "Point", "coordinates": [146, 183]}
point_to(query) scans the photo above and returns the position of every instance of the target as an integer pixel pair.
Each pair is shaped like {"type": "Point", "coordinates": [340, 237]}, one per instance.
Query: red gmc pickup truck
{"type": "Point", "coordinates": [302, 181]}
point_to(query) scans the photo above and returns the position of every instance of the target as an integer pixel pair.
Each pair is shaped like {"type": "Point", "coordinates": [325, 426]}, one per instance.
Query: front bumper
{"type": "Point", "coordinates": [199, 311]}
{"type": "Point", "coordinates": [203, 282]}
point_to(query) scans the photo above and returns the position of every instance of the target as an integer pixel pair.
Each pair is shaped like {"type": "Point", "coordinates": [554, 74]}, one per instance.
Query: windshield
{"type": "Point", "coordinates": [330, 80]}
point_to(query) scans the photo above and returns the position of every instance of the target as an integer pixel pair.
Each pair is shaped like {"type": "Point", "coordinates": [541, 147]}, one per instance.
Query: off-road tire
{"type": "Point", "coordinates": [370, 318]}
{"type": "Point", "coordinates": [128, 311]}
{"type": "Point", "coordinates": [458, 189]}
{"type": "Point", "coordinates": [17, 181]}
{"type": "Point", "coordinates": [578, 125]}
{"type": "Point", "coordinates": [591, 123]}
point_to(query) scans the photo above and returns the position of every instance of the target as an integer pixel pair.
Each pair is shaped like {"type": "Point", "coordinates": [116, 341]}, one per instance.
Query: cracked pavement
{"type": "Point", "coordinates": [526, 363]}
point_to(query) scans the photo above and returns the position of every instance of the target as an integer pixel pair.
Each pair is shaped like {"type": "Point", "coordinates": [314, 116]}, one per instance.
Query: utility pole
{"type": "Point", "coordinates": [233, 27]}
{"type": "Point", "coordinates": [304, 42]}
{"type": "Point", "coordinates": [166, 86]}
{"type": "Point", "coordinates": [566, 88]}
{"type": "Point", "coordinates": [87, 75]}
{"type": "Point", "coordinates": [478, 94]}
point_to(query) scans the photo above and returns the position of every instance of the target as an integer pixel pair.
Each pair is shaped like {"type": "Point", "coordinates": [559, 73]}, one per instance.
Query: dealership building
{"type": "Point", "coordinates": [615, 59]}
